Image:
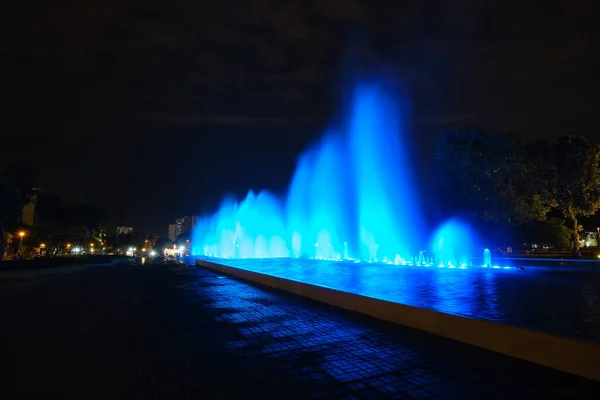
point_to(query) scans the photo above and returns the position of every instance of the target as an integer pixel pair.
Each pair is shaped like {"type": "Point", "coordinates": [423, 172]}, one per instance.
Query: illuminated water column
{"type": "Point", "coordinates": [487, 258]}
{"type": "Point", "coordinates": [316, 208]}
{"type": "Point", "coordinates": [388, 216]}
{"type": "Point", "coordinates": [261, 221]}
{"type": "Point", "coordinates": [453, 243]}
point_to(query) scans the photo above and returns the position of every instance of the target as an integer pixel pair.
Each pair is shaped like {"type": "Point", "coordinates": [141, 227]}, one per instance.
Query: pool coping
{"type": "Point", "coordinates": [567, 355]}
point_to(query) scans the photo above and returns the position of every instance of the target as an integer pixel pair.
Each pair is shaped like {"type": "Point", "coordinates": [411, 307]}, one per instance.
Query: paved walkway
{"type": "Point", "coordinates": [167, 331]}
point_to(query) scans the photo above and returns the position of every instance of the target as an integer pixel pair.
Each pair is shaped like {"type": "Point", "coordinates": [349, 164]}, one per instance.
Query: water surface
{"type": "Point", "coordinates": [563, 301]}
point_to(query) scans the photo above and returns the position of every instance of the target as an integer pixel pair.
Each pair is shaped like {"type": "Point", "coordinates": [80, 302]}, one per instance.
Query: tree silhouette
{"type": "Point", "coordinates": [576, 182]}
{"type": "Point", "coordinates": [10, 209]}
{"type": "Point", "coordinates": [488, 176]}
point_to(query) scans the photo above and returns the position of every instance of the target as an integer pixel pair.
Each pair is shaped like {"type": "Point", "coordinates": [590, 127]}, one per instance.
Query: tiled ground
{"type": "Point", "coordinates": [167, 331]}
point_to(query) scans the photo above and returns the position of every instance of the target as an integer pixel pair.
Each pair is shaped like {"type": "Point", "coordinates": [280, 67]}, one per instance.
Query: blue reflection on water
{"type": "Point", "coordinates": [563, 302]}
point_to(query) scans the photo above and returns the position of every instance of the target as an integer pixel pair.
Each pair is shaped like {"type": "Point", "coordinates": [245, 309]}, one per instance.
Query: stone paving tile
{"type": "Point", "coordinates": [164, 331]}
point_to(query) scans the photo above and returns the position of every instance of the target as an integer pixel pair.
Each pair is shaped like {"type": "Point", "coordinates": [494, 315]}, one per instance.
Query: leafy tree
{"type": "Point", "coordinates": [489, 176]}
{"type": "Point", "coordinates": [552, 231]}
{"type": "Point", "coordinates": [460, 163]}
{"type": "Point", "coordinates": [22, 178]}
{"type": "Point", "coordinates": [58, 225]}
{"type": "Point", "coordinates": [10, 208]}
{"type": "Point", "coordinates": [152, 240]}
{"type": "Point", "coordinates": [124, 240]}
{"type": "Point", "coordinates": [16, 189]}
{"type": "Point", "coordinates": [8, 237]}
{"type": "Point", "coordinates": [539, 172]}
{"type": "Point", "coordinates": [576, 183]}
{"type": "Point", "coordinates": [163, 243]}
{"type": "Point", "coordinates": [87, 220]}
{"type": "Point", "coordinates": [53, 221]}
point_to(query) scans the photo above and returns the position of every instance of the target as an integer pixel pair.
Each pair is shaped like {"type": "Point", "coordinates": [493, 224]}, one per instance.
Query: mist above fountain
{"type": "Point", "coordinates": [352, 196]}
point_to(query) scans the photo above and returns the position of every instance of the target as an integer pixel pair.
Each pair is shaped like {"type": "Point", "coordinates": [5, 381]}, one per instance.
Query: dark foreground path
{"type": "Point", "coordinates": [169, 331]}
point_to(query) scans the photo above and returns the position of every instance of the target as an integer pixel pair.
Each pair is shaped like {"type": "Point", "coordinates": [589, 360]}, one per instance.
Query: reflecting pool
{"type": "Point", "coordinates": [561, 301]}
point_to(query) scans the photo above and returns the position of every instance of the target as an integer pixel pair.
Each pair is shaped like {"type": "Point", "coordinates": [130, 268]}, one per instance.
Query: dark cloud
{"type": "Point", "coordinates": [102, 58]}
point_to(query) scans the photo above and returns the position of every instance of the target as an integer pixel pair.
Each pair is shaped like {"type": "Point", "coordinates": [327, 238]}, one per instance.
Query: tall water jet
{"type": "Point", "coordinates": [487, 258]}
{"type": "Point", "coordinates": [352, 195]}
{"type": "Point", "coordinates": [315, 210]}
{"type": "Point", "coordinates": [385, 195]}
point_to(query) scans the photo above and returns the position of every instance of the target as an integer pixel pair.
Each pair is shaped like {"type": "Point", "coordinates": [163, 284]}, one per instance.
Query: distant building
{"type": "Point", "coordinates": [172, 232]}
{"type": "Point", "coordinates": [101, 233]}
{"type": "Point", "coordinates": [589, 239]}
{"type": "Point", "coordinates": [124, 230]}
{"type": "Point", "coordinates": [183, 226]}
{"type": "Point", "coordinates": [28, 212]}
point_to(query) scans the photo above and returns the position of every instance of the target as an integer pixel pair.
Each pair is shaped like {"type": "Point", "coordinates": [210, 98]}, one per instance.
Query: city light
{"type": "Point", "coordinates": [21, 234]}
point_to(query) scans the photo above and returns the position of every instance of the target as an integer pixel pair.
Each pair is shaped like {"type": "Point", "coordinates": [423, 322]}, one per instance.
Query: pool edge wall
{"type": "Point", "coordinates": [567, 355]}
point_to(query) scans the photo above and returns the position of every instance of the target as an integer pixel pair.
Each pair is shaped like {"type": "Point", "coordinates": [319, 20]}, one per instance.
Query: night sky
{"type": "Point", "coordinates": [157, 108]}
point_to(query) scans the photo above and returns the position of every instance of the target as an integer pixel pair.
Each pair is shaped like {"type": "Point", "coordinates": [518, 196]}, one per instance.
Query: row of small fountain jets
{"type": "Point", "coordinates": [423, 261]}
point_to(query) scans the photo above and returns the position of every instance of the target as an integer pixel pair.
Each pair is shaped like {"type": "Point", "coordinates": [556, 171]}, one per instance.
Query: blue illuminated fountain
{"type": "Point", "coordinates": [352, 208]}
{"type": "Point", "coordinates": [351, 197]}
{"type": "Point", "coordinates": [487, 258]}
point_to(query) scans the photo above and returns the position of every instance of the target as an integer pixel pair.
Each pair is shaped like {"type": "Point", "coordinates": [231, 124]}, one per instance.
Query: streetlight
{"type": "Point", "coordinates": [21, 235]}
